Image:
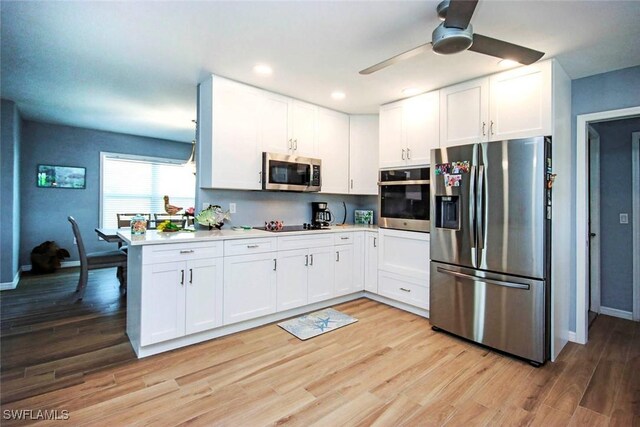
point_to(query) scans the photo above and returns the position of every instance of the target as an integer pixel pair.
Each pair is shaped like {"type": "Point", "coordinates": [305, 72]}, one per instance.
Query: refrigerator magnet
{"type": "Point", "coordinates": [451, 180]}
{"type": "Point", "coordinates": [443, 168]}
{"type": "Point", "coordinates": [460, 167]}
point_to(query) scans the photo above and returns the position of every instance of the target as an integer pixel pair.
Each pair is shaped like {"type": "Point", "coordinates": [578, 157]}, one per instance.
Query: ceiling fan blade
{"type": "Point", "coordinates": [405, 55]}
{"type": "Point", "coordinates": [459, 13]}
{"type": "Point", "coordinates": [504, 50]}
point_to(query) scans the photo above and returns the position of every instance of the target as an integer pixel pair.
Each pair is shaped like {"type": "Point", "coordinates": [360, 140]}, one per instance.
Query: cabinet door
{"type": "Point", "coordinates": [421, 126]}
{"type": "Point", "coordinates": [163, 302]}
{"type": "Point", "coordinates": [392, 148]}
{"type": "Point", "coordinates": [237, 150]}
{"type": "Point", "coordinates": [304, 129]}
{"type": "Point", "coordinates": [404, 252]}
{"type": "Point", "coordinates": [203, 282]}
{"type": "Point", "coordinates": [464, 113]}
{"type": "Point", "coordinates": [274, 123]}
{"type": "Point", "coordinates": [344, 270]}
{"type": "Point", "coordinates": [321, 274]}
{"type": "Point", "coordinates": [249, 286]}
{"type": "Point", "coordinates": [333, 150]}
{"type": "Point", "coordinates": [363, 154]}
{"type": "Point", "coordinates": [292, 279]}
{"type": "Point", "coordinates": [371, 263]}
{"type": "Point", "coordinates": [358, 261]}
{"type": "Point", "coordinates": [520, 102]}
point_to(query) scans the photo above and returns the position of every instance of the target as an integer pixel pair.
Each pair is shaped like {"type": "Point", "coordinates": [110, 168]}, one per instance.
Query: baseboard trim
{"type": "Point", "coordinates": [616, 313]}
{"type": "Point", "coordinates": [571, 336]}
{"type": "Point", "coordinates": [7, 286]}
{"type": "Point", "coordinates": [63, 264]}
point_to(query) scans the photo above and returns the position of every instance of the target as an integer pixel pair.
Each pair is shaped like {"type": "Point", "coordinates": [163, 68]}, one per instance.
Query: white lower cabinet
{"type": "Point", "coordinates": [321, 280]}
{"type": "Point", "coordinates": [404, 289]}
{"type": "Point", "coordinates": [344, 269]}
{"type": "Point", "coordinates": [371, 262]}
{"type": "Point", "coordinates": [249, 286]}
{"type": "Point", "coordinates": [180, 298]}
{"type": "Point", "coordinates": [292, 279]}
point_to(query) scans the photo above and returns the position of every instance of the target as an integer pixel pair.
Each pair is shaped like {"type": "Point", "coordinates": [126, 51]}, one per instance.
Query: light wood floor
{"type": "Point", "coordinates": [389, 368]}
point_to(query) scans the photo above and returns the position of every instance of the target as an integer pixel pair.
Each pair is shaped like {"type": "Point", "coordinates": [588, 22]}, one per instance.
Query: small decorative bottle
{"type": "Point", "coordinates": [138, 225]}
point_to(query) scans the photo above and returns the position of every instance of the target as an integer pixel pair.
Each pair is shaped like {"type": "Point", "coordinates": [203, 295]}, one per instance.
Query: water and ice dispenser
{"type": "Point", "coordinates": [448, 212]}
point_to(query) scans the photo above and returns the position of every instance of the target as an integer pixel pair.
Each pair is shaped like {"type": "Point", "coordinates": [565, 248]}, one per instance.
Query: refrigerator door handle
{"type": "Point", "coordinates": [480, 204]}
{"type": "Point", "coordinates": [472, 209]}
{"type": "Point", "coordinates": [484, 280]}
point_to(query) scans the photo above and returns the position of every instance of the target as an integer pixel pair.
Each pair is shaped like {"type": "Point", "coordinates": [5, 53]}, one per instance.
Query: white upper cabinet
{"type": "Point", "coordinates": [363, 154]}
{"type": "Point", "coordinates": [464, 112]}
{"type": "Point", "coordinates": [333, 149]}
{"type": "Point", "coordinates": [275, 115]}
{"type": "Point", "coordinates": [512, 104]}
{"type": "Point", "coordinates": [303, 129]}
{"type": "Point", "coordinates": [229, 126]}
{"type": "Point", "coordinates": [409, 129]}
{"type": "Point", "coordinates": [520, 102]}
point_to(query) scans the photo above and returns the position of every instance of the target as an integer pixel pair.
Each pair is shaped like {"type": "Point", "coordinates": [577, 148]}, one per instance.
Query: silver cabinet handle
{"type": "Point", "coordinates": [275, 264]}
{"type": "Point", "coordinates": [260, 177]}
{"type": "Point", "coordinates": [252, 246]}
{"type": "Point", "coordinates": [491, 128]}
{"type": "Point", "coordinates": [408, 153]}
{"type": "Point", "coordinates": [352, 184]}
{"type": "Point", "coordinates": [375, 245]}
{"type": "Point", "coordinates": [306, 260]}
{"type": "Point", "coordinates": [187, 251]}
{"type": "Point", "coordinates": [405, 290]}
{"type": "Point", "coordinates": [182, 277]}
{"type": "Point", "coordinates": [484, 126]}
{"type": "Point", "coordinates": [311, 259]}
{"type": "Point", "coordinates": [484, 280]}
{"type": "Point", "coordinates": [291, 144]}
{"type": "Point", "coordinates": [295, 144]}
{"type": "Point", "coordinates": [191, 276]}
{"type": "Point", "coordinates": [337, 256]}
{"type": "Point", "coordinates": [403, 154]}
{"type": "Point", "coordinates": [344, 238]}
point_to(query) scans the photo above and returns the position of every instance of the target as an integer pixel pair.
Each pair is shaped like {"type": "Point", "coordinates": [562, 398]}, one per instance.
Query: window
{"type": "Point", "coordinates": [136, 184]}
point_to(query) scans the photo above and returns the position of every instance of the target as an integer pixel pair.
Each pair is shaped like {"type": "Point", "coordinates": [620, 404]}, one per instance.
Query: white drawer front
{"type": "Point", "coordinates": [404, 289]}
{"type": "Point", "coordinates": [305, 241]}
{"type": "Point", "coordinates": [249, 246]}
{"type": "Point", "coordinates": [343, 238]}
{"type": "Point", "coordinates": [153, 254]}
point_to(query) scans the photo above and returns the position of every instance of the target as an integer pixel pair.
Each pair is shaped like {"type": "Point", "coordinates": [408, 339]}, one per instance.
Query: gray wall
{"type": "Point", "coordinates": [255, 207]}
{"type": "Point", "coordinates": [10, 191]}
{"type": "Point", "coordinates": [616, 261]}
{"type": "Point", "coordinates": [602, 92]}
{"type": "Point", "coordinates": [44, 211]}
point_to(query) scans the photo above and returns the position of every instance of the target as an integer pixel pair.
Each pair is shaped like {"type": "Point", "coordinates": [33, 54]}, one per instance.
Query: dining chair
{"type": "Point", "coordinates": [175, 219]}
{"type": "Point", "coordinates": [96, 260]}
{"type": "Point", "coordinates": [124, 219]}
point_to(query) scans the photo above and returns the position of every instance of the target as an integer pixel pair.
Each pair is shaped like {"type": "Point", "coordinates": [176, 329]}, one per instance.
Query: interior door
{"type": "Point", "coordinates": [594, 221]}
{"type": "Point", "coordinates": [511, 207]}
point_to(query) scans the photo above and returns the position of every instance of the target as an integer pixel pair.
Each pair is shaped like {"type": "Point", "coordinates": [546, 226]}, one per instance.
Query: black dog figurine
{"type": "Point", "coordinates": [46, 257]}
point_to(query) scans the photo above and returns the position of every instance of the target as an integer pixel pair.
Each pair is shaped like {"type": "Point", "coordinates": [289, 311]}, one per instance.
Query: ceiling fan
{"type": "Point", "coordinates": [456, 34]}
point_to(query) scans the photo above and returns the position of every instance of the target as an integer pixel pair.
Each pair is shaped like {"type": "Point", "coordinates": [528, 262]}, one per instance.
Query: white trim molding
{"type": "Point", "coordinates": [63, 264]}
{"type": "Point", "coordinates": [572, 336]}
{"type": "Point", "coordinates": [582, 212]}
{"type": "Point", "coordinates": [608, 311]}
{"type": "Point", "coordinates": [635, 192]}
{"type": "Point", "coordinates": [7, 286]}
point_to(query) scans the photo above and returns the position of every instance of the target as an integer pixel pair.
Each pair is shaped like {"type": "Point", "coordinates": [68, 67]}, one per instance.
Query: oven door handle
{"type": "Point", "coordinates": [414, 182]}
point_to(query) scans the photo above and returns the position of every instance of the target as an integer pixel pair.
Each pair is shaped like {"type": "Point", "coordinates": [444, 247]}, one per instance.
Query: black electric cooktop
{"type": "Point", "coordinates": [303, 227]}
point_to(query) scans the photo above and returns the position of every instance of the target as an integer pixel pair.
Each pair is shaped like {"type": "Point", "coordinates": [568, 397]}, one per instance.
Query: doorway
{"type": "Point", "coordinates": [594, 223]}
{"type": "Point", "coordinates": [584, 223]}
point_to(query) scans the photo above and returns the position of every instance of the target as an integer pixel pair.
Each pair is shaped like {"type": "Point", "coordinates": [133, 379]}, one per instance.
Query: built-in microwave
{"type": "Point", "coordinates": [285, 172]}
{"type": "Point", "coordinates": [404, 199]}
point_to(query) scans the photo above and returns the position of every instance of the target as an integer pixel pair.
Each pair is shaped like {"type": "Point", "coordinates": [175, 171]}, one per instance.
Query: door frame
{"type": "Point", "coordinates": [594, 217]}
{"type": "Point", "coordinates": [582, 211]}
{"type": "Point", "coordinates": [635, 191]}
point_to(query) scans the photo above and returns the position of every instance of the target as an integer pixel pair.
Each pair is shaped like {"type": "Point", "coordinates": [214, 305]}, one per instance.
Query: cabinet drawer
{"type": "Point", "coordinates": [153, 254]}
{"type": "Point", "coordinates": [343, 238]}
{"type": "Point", "coordinates": [304, 242]}
{"type": "Point", "coordinates": [404, 289]}
{"type": "Point", "coordinates": [249, 246]}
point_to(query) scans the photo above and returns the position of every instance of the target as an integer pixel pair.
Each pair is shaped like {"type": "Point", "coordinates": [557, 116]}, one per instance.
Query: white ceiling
{"type": "Point", "coordinates": [133, 66]}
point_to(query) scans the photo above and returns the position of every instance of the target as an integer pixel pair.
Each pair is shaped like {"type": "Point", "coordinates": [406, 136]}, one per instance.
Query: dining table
{"type": "Point", "coordinates": [109, 234]}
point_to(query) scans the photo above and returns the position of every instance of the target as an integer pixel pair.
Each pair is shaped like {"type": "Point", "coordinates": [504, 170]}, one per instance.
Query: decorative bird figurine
{"type": "Point", "coordinates": [169, 208]}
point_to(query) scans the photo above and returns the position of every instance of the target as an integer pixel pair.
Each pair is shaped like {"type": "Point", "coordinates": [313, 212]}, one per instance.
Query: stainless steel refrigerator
{"type": "Point", "coordinates": [490, 252]}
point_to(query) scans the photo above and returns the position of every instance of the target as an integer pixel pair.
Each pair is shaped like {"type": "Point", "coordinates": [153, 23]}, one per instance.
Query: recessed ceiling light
{"type": "Point", "coordinates": [508, 63]}
{"type": "Point", "coordinates": [262, 69]}
{"type": "Point", "coordinates": [410, 91]}
{"type": "Point", "coordinates": [338, 95]}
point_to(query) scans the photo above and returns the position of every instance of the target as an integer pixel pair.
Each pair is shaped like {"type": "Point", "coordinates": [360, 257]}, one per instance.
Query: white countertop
{"type": "Point", "coordinates": [153, 237]}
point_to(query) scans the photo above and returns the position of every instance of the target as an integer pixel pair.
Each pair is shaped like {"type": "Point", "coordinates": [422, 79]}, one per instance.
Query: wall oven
{"type": "Point", "coordinates": [285, 172]}
{"type": "Point", "coordinates": [403, 201]}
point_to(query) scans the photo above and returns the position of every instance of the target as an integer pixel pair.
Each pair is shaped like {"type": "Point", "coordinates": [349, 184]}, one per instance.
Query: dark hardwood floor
{"type": "Point", "coordinates": [389, 368]}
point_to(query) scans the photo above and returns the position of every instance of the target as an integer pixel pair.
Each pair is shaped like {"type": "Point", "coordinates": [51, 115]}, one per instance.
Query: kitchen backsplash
{"type": "Point", "coordinates": [255, 207]}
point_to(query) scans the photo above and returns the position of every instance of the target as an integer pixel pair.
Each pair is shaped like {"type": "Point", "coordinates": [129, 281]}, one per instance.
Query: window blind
{"type": "Point", "coordinates": [138, 186]}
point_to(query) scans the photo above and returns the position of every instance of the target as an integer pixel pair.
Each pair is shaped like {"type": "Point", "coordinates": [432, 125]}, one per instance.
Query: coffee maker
{"type": "Point", "coordinates": [320, 215]}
